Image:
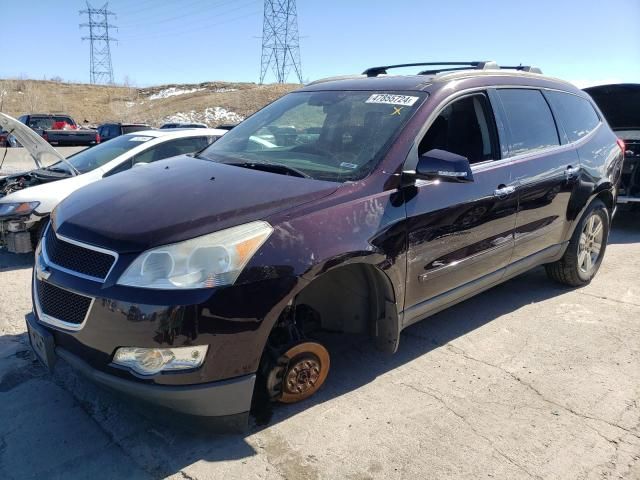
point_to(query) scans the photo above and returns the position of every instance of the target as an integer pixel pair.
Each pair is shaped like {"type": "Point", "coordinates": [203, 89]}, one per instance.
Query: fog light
{"type": "Point", "coordinates": [149, 361]}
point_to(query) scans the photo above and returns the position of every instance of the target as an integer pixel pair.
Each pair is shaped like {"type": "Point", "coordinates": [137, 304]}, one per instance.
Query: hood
{"type": "Point", "coordinates": [41, 152]}
{"type": "Point", "coordinates": [620, 104]}
{"type": "Point", "coordinates": [177, 199]}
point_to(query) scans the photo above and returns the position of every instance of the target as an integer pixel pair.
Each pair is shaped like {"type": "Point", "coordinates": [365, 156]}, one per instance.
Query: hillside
{"type": "Point", "coordinates": [211, 102]}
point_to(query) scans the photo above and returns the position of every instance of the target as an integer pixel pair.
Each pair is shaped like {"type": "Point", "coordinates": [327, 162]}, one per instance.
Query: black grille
{"type": "Point", "coordinates": [75, 258]}
{"type": "Point", "coordinates": [632, 146]}
{"type": "Point", "coordinates": [61, 304]}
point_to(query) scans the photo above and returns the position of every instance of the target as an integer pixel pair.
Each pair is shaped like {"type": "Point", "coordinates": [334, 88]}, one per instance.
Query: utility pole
{"type": "Point", "coordinates": [280, 40]}
{"type": "Point", "coordinates": [100, 67]}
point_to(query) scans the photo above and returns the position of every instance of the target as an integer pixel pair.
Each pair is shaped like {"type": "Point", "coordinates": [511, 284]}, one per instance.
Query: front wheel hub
{"type": "Point", "coordinates": [307, 369]}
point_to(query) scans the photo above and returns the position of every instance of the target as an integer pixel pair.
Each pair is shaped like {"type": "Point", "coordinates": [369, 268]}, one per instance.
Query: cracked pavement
{"type": "Point", "coordinates": [528, 380]}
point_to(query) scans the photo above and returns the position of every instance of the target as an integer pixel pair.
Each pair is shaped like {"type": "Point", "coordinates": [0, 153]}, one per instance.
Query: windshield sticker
{"type": "Point", "coordinates": [352, 166]}
{"type": "Point", "coordinates": [391, 99]}
{"type": "Point", "coordinates": [140, 139]}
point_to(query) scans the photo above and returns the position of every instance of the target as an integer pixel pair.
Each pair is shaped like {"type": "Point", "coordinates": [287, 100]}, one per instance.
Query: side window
{"type": "Point", "coordinates": [120, 168]}
{"type": "Point", "coordinates": [576, 114]}
{"type": "Point", "coordinates": [530, 121]}
{"type": "Point", "coordinates": [465, 127]}
{"type": "Point", "coordinates": [172, 148]}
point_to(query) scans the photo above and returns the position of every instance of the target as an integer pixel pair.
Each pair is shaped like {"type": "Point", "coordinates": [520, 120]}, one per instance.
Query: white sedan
{"type": "Point", "coordinates": [27, 199]}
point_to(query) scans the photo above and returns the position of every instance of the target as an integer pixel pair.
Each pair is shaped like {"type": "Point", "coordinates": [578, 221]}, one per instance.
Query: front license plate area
{"type": "Point", "coordinates": [42, 343]}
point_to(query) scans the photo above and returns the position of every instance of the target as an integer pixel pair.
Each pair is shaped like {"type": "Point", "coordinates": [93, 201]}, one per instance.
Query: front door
{"type": "Point", "coordinates": [460, 235]}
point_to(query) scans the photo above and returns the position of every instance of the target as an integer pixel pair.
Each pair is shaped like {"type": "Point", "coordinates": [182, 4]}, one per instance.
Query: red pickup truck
{"type": "Point", "coordinates": [60, 129]}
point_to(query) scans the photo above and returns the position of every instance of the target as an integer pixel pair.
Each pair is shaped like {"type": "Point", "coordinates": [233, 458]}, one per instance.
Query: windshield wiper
{"type": "Point", "coordinates": [270, 167]}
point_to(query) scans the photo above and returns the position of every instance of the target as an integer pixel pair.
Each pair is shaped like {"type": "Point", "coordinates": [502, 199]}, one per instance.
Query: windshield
{"type": "Point", "coordinates": [329, 135]}
{"type": "Point", "coordinates": [48, 123]}
{"type": "Point", "coordinates": [101, 154]}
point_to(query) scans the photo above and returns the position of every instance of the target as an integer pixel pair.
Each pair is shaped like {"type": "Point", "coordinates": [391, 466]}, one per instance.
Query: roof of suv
{"type": "Point", "coordinates": [429, 80]}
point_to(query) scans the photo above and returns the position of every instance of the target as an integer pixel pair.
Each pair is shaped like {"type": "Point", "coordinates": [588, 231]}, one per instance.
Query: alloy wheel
{"type": "Point", "coordinates": [590, 245]}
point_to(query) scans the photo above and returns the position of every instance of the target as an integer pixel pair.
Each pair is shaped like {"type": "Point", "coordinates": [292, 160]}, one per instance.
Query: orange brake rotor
{"type": "Point", "coordinates": [306, 372]}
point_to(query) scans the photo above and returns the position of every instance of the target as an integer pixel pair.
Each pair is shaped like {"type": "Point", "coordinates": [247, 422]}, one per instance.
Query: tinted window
{"type": "Point", "coordinates": [465, 127]}
{"type": "Point", "coordinates": [328, 135]}
{"type": "Point", "coordinates": [172, 148]}
{"type": "Point", "coordinates": [576, 114]}
{"type": "Point", "coordinates": [530, 121]}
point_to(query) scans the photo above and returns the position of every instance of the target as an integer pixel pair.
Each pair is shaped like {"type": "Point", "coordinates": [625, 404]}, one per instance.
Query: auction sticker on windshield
{"type": "Point", "coordinates": [140, 139]}
{"type": "Point", "coordinates": [391, 99]}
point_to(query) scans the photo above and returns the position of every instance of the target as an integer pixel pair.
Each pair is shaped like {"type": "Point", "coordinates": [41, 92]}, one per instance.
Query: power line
{"type": "Point", "coordinates": [100, 66]}
{"type": "Point", "coordinates": [280, 40]}
{"type": "Point", "coordinates": [208, 26]}
{"type": "Point", "coordinates": [199, 14]}
{"type": "Point", "coordinates": [159, 16]}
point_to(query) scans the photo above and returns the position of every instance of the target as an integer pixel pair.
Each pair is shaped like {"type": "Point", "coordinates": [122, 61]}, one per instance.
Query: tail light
{"type": "Point", "coordinates": [97, 138]}
{"type": "Point", "coordinates": [621, 144]}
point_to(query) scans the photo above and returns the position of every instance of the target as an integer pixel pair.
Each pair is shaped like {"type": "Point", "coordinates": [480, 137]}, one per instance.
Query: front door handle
{"type": "Point", "coordinates": [571, 172]}
{"type": "Point", "coordinates": [504, 191]}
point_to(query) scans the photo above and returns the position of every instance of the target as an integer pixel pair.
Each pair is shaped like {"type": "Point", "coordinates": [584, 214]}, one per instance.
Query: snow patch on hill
{"type": "Point", "coordinates": [212, 116]}
{"type": "Point", "coordinates": [172, 92]}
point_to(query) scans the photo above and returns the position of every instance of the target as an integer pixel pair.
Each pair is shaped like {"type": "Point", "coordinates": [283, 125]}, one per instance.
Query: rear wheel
{"type": "Point", "coordinates": [585, 252]}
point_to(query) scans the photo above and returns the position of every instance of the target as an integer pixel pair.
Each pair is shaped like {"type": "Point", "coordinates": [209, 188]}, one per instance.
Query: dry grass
{"type": "Point", "coordinates": [100, 103]}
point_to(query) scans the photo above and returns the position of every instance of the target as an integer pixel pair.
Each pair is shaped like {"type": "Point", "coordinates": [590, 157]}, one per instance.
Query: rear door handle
{"type": "Point", "coordinates": [503, 191]}
{"type": "Point", "coordinates": [571, 172]}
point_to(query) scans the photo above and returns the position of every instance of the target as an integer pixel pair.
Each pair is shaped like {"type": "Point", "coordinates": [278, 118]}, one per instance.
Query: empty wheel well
{"type": "Point", "coordinates": [354, 299]}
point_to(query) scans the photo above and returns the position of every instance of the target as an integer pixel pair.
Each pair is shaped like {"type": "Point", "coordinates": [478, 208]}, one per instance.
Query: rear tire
{"type": "Point", "coordinates": [586, 249]}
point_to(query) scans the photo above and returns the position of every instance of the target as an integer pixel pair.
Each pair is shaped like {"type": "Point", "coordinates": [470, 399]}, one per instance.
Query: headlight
{"type": "Point", "coordinates": [149, 361]}
{"type": "Point", "coordinates": [24, 208]}
{"type": "Point", "coordinates": [203, 262]}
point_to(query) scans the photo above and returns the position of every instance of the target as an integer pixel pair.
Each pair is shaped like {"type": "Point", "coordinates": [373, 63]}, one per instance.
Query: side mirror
{"type": "Point", "coordinates": [446, 166]}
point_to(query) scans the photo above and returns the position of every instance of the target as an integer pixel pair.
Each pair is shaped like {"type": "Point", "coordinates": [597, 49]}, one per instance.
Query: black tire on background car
{"type": "Point", "coordinates": [585, 252]}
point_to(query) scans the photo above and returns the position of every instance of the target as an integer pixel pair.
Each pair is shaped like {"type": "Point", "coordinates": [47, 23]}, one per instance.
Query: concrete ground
{"type": "Point", "coordinates": [528, 380]}
{"type": "Point", "coordinates": [16, 160]}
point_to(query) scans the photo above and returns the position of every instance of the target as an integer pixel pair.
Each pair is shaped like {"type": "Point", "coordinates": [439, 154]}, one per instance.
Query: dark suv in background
{"type": "Point", "coordinates": [200, 284]}
{"type": "Point", "coordinates": [620, 104]}
{"type": "Point", "coordinates": [108, 131]}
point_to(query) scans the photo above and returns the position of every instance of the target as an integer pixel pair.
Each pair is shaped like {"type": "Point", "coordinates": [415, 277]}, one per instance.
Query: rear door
{"type": "Point", "coordinates": [544, 166]}
{"type": "Point", "coordinates": [460, 235]}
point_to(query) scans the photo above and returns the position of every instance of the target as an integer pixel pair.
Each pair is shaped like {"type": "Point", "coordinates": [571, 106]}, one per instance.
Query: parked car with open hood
{"type": "Point", "coordinates": [373, 202]}
{"type": "Point", "coordinates": [27, 199]}
{"type": "Point", "coordinates": [620, 104]}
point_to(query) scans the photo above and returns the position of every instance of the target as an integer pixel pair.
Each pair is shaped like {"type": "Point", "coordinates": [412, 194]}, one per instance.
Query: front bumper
{"type": "Point", "coordinates": [223, 405]}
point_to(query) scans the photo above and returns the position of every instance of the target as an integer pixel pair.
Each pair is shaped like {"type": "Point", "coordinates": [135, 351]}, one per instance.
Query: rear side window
{"type": "Point", "coordinates": [576, 114]}
{"type": "Point", "coordinates": [172, 148]}
{"type": "Point", "coordinates": [530, 121]}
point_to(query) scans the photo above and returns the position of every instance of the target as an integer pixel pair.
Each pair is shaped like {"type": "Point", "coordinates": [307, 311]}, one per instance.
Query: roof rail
{"type": "Point", "coordinates": [523, 68]}
{"type": "Point", "coordinates": [479, 65]}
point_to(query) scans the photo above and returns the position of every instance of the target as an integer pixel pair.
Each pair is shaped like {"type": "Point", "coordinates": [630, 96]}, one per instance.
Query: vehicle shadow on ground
{"type": "Point", "coordinates": [626, 227]}
{"type": "Point", "coordinates": [162, 450]}
{"type": "Point", "coordinates": [13, 261]}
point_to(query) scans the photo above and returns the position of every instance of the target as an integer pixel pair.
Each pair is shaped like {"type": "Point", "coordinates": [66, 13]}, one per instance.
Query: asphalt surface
{"type": "Point", "coordinates": [528, 380]}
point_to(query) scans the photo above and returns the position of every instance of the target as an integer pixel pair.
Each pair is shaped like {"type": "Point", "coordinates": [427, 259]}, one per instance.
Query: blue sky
{"type": "Point", "coordinates": [169, 41]}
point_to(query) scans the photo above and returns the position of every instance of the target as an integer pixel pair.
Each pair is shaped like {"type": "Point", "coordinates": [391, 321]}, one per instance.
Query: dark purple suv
{"type": "Point", "coordinates": [357, 205]}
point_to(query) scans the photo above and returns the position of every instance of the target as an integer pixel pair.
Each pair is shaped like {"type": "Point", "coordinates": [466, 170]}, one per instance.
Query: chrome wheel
{"type": "Point", "coordinates": [590, 244]}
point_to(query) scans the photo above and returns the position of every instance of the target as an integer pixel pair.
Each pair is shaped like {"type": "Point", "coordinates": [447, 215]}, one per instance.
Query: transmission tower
{"type": "Point", "coordinates": [280, 40]}
{"type": "Point", "coordinates": [101, 69]}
